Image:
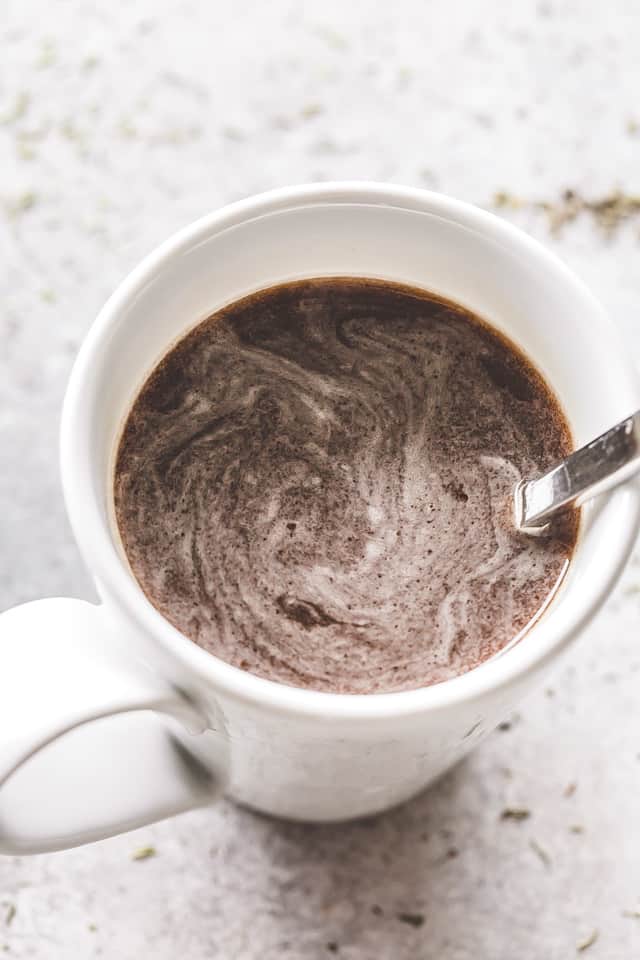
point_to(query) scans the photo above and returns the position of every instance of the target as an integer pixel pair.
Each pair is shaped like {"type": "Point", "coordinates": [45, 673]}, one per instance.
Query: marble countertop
{"type": "Point", "coordinates": [120, 123]}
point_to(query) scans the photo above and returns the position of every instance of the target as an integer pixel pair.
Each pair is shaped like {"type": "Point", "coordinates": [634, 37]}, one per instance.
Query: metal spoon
{"type": "Point", "coordinates": [601, 465]}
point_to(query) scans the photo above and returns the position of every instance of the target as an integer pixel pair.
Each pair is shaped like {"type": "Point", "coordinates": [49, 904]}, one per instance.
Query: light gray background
{"type": "Point", "coordinates": [119, 124]}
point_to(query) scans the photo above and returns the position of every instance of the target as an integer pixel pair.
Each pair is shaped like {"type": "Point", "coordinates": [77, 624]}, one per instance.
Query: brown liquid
{"type": "Point", "coordinates": [315, 485]}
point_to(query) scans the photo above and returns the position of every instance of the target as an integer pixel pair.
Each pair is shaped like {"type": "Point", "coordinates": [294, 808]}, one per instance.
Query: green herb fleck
{"type": "Point", "coordinates": [576, 828]}
{"type": "Point", "coordinates": [22, 203]}
{"type": "Point", "coordinates": [608, 211]}
{"type": "Point", "coordinates": [144, 853]}
{"type": "Point", "coordinates": [311, 110]}
{"type": "Point", "coordinates": [587, 942]}
{"type": "Point", "coordinates": [47, 54]}
{"type": "Point", "coordinates": [92, 928]}
{"type": "Point", "coordinates": [27, 200]}
{"type": "Point", "coordinates": [412, 919]}
{"type": "Point", "coordinates": [19, 108]}
{"type": "Point", "coordinates": [10, 914]}
{"type": "Point", "coordinates": [515, 813]}
{"type": "Point", "coordinates": [233, 133]}
{"type": "Point", "coordinates": [69, 130]}
{"type": "Point", "coordinates": [25, 152]}
{"type": "Point", "coordinates": [332, 38]}
{"type": "Point", "coordinates": [540, 852]}
{"type": "Point", "coordinates": [127, 130]}
{"type": "Point", "coordinates": [633, 914]}
{"type": "Point", "coordinates": [506, 200]}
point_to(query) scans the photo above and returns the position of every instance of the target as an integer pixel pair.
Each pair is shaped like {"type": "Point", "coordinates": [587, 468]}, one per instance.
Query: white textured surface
{"type": "Point", "coordinates": [119, 124]}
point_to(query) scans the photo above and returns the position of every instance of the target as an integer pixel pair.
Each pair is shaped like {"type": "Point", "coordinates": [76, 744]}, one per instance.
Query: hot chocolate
{"type": "Point", "coordinates": [315, 485]}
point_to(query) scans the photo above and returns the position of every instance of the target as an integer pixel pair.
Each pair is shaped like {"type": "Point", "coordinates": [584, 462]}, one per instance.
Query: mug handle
{"type": "Point", "coordinates": [65, 780]}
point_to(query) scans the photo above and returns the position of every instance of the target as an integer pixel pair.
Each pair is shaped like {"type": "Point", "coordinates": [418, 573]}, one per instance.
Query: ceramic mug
{"type": "Point", "coordinates": [109, 717]}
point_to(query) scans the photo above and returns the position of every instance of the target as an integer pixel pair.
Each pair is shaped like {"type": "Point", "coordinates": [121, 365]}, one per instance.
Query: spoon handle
{"type": "Point", "coordinates": [602, 464]}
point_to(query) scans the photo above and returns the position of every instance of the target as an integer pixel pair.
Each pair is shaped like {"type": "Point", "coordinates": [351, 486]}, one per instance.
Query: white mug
{"type": "Point", "coordinates": [109, 717]}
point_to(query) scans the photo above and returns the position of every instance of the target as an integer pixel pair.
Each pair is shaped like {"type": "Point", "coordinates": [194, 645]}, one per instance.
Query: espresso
{"type": "Point", "coordinates": [316, 485]}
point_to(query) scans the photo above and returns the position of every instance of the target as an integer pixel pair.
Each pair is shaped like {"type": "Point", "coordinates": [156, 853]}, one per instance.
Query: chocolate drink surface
{"type": "Point", "coordinates": [315, 485]}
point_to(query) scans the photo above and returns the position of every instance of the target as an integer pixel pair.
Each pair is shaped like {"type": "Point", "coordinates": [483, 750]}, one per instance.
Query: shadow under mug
{"type": "Point", "coordinates": [109, 717]}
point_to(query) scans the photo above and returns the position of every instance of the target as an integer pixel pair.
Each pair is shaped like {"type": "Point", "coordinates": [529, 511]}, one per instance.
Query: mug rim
{"type": "Point", "coordinates": [109, 570]}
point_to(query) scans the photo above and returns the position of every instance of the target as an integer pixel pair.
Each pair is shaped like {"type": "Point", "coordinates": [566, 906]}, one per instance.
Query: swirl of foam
{"type": "Point", "coordinates": [315, 483]}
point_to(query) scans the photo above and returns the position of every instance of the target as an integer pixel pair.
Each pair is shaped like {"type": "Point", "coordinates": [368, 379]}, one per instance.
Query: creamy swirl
{"type": "Point", "coordinates": [315, 485]}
